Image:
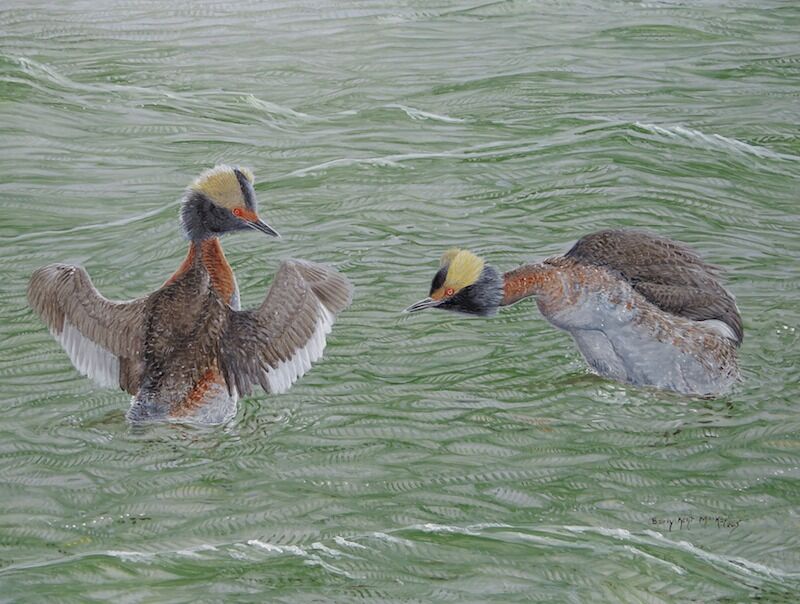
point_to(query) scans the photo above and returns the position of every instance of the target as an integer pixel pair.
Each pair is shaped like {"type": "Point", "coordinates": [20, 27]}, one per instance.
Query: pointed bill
{"type": "Point", "coordinates": [260, 225]}
{"type": "Point", "coordinates": [423, 304]}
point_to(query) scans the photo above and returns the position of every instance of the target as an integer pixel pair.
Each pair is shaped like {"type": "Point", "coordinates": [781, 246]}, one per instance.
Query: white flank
{"type": "Point", "coordinates": [287, 372]}
{"type": "Point", "coordinates": [720, 328]}
{"type": "Point", "coordinates": [90, 359]}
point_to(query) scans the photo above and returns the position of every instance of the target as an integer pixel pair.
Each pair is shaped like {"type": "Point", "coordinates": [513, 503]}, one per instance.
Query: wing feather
{"type": "Point", "coordinates": [667, 273]}
{"type": "Point", "coordinates": [99, 335]}
{"type": "Point", "coordinates": [276, 343]}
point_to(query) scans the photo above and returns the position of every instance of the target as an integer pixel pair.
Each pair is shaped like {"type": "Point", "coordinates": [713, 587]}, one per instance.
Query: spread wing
{"type": "Point", "coordinates": [668, 274]}
{"type": "Point", "coordinates": [102, 338]}
{"type": "Point", "coordinates": [276, 343]}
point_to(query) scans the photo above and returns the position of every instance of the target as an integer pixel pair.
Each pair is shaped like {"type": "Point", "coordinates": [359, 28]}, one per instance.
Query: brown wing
{"type": "Point", "coordinates": [102, 338]}
{"type": "Point", "coordinates": [276, 343]}
{"type": "Point", "coordinates": [667, 273]}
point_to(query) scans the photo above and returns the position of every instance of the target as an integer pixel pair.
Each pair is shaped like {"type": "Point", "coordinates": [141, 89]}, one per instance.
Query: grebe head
{"type": "Point", "coordinates": [464, 283]}
{"type": "Point", "coordinates": [221, 200]}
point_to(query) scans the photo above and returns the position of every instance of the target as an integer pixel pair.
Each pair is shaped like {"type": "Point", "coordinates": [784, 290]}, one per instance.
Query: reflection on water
{"type": "Point", "coordinates": [427, 458]}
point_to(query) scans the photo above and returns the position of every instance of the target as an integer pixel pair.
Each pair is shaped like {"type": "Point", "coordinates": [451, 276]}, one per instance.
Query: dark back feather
{"type": "Point", "coordinates": [667, 273]}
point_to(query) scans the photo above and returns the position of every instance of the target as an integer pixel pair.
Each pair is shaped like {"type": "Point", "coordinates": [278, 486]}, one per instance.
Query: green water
{"type": "Point", "coordinates": [428, 458]}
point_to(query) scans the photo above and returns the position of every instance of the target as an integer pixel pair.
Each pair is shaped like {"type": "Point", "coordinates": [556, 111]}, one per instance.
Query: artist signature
{"type": "Point", "coordinates": [686, 522]}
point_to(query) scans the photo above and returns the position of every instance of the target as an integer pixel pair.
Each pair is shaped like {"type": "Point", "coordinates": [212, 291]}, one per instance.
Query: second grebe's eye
{"type": "Point", "coordinates": [449, 292]}
{"type": "Point", "coordinates": [237, 212]}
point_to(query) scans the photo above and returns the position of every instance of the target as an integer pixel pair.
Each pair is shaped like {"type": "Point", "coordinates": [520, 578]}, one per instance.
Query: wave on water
{"type": "Point", "coordinates": [394, 161]}
{"type": "Point", "coordinates": [418, 114]}
{"type": "Point", "coordinates": [715, 140]}
{"type": "Point", "coordinates": [275, 109]}
{"type": "Point", "coordinates": [734, 565]}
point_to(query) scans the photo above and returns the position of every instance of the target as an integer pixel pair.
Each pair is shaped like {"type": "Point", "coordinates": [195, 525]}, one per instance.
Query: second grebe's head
{"type": "Point", "coordinates": [221, 200]}
{"type": "Point", "coordinates": [464, 283]}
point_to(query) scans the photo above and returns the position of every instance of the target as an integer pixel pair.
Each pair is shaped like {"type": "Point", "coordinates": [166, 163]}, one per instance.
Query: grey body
{"type": "Point", "coordinates": [666, 273]}
{"type": "Point", "coordinates": [624, 337]}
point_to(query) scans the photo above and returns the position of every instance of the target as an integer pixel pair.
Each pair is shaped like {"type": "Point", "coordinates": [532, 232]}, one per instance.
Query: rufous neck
{"type": "Point", "coordinates": [201, 249]}
{"type": "Point", "coordinates": [217, 266]}
{"type": "Point", "coordinates": [525, 281]}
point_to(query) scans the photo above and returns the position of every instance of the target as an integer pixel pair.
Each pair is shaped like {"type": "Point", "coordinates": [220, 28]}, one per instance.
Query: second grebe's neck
{"type": "Point", "coordinates": [527, 280]}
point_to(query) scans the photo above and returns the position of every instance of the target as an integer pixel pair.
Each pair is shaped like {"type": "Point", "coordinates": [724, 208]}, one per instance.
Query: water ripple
{"type": "Point", "coordinates": [428, 457]}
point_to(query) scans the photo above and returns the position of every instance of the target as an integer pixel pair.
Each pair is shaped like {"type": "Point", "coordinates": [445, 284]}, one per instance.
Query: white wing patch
{"type": "Point", "coordinates": [235, 299]}
{"type": "Point", "coordinates": [89, 359]}
{"type": "Point", "coordinates": [282, 377]}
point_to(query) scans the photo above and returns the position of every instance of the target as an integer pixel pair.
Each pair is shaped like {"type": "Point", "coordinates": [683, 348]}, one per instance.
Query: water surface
{"type": "Point", "coordinates": [433, 457]}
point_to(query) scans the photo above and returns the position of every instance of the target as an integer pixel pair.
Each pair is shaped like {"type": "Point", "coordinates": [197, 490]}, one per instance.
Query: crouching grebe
{"type": "Point", "coordinates": [641, 308]}
{"type": "Point", "coordinates": [187, 351]}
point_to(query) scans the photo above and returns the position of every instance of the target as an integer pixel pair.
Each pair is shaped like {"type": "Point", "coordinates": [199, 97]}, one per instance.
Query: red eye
{"type": "Point", "coordinates": [237, 212]}
{"type": "Point", "coordinates": [449, 292]}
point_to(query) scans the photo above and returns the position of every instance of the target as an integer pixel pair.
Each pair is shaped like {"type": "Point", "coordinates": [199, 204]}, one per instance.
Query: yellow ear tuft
{"type": "Point", "coordinates": [221, 186]}
{"type": "Point", "coordinates": [465, 268]}
{"type": "Point", "coordinates": [448, 256]}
